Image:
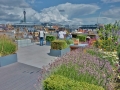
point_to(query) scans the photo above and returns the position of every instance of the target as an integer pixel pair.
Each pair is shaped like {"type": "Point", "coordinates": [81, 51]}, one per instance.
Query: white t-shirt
{"type": "Point", "coordinates": [61, 34]}
{"type": "Point", "coordinates": [41, 33]}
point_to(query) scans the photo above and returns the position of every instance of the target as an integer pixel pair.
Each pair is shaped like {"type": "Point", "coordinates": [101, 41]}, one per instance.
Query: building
{"type": "Point", "coordinates": [89, 27]}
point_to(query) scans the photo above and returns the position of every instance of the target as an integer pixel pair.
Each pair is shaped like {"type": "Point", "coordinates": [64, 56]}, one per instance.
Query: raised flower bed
{"type": "Point", "coordinates": [9, 59]}
{"type": "Point", "coordinates": [7, 51]}
{"type": "Point", "coordinates": [59, 48]}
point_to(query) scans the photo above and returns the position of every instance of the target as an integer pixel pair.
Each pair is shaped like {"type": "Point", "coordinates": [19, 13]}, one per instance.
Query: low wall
{"type": "Point", "coordinates": [24, 42]}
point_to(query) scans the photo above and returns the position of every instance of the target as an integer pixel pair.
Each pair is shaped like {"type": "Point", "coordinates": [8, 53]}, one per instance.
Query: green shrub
{"type": "Point", "coordinates": [57, 82]}
{"type": "Point", "coordinates": [106, 45]}
{"type": "Point", "coordinates": [82, 38]}
{"type": "Point", "coordinates": [58, 44]}
{"type": "Point", "coordinates": [69, 41]}
{"type": "Point", "coordinates": [50, 38]}
{"type": "Point", "coordinates": [118, 52]}
{"type": "Point", "coordinates": [7, 46]}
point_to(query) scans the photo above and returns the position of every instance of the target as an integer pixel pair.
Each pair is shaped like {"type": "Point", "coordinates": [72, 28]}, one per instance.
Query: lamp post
{"type": "Point", "coordinates": [98, 19]}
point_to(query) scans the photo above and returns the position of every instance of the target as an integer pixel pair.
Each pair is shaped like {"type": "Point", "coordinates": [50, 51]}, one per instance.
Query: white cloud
{"type": "Point", "coordinates": [112, 13]}
{"type": "Point", "coordinates": [14, 3]}
{"type": "Point", "coordinates": [9, 12]}
{"type": "Point", "coordinates": [77, 10]}
{"type": "Point", "coordinates": [110, 1]}
{"type": "Point", "coordinates": [95, 20]}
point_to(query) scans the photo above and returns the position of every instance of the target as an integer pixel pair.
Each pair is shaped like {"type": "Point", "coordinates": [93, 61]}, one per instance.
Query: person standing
{"type": "Point", "coordinates": [41, 36]}
{"type": "Point", "coordinates": [61, 34]}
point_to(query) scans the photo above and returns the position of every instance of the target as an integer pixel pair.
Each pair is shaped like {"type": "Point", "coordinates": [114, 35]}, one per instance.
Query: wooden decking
{"type": "Point", "coordinates": [18, 76]}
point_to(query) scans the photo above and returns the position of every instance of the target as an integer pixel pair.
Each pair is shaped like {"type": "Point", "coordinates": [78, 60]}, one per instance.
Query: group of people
{"type": "Point", "coordinates": [61, 34]}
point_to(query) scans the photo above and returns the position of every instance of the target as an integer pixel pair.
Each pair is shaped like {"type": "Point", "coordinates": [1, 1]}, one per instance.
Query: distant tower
{"type": "Point", "coordinates": [24, 13]}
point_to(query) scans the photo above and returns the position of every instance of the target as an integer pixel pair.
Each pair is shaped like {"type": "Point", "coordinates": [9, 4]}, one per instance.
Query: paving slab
{"type": "Point", "coordinates": [35, 55]}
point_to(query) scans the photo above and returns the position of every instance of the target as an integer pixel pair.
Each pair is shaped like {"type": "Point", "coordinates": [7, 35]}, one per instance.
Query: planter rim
{"type": "Point", "coordinates": [8, 55]}
{"type": "Point", "coordinates": [61, 49]}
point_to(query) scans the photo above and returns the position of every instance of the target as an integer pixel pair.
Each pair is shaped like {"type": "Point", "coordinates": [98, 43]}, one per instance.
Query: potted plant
{"type": "Point", "coordinates": [49, 39]}
{"type": "Point", "coordinates": [8, 50]}
{"type": "Point", "coordinates": [59, 48]}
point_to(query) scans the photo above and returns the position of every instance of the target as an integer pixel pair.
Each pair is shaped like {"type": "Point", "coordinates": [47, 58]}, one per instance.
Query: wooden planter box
{"type": "Point", "coordinates": [59, 52]}
{"type": "Point", "coordinates": [9, 59]}
{"type": "Point", "coordinates": [74, 47]}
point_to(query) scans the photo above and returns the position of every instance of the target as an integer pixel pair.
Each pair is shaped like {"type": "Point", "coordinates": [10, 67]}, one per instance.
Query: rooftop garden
{"type": "Point", "coordinates": [93, 68]}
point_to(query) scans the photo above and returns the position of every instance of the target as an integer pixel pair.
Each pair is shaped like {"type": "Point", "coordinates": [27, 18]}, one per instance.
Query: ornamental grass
{"type": "Point", "coordinates": [7, 46]}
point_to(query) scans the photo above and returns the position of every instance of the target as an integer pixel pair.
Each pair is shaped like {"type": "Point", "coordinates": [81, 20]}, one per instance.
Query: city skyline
{"type": "Point", "coordinates": [63, 11]}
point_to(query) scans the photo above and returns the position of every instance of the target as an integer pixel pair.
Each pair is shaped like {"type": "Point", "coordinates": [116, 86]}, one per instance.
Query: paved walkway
{"type": "Point", "coordinates": [35, 55]}
{"type": "Point", "coordinates": [23, 74]}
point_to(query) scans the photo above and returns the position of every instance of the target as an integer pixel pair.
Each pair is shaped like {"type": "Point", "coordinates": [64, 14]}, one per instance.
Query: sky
{"type": "Point", "coordinates": [77, 12]}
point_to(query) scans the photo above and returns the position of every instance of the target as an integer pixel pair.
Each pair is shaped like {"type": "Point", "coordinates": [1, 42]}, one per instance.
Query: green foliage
{"type": "Point", "coordinates": [58, 44]}
{"type": "Point", "coordinates": [57, 82]}
{"type": "Point", "coordinates": [82, 38]}
{"type": "Point", "coordinates": [109, 31]}
{"type": "Point", "coordinates": [67, 70]}
{"type": "Point", "coordinates": [100, 35]}
{"type": "Point", "coordinates": [50, 38]}
{"type": "Point", "coordinates": [102, 55]}
{"type": "Point", "coordinates": [106, 45]}
{"type": "Point", "coordinates": [7, 46]}
{"type": "Point", "coordinates": [118, 51]}
{"type": "Point", "coordinates": [69, 41]}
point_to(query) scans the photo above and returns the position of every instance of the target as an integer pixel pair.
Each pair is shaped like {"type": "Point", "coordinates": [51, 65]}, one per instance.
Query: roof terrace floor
{"type": "Point", "coordinates": [23, 74]}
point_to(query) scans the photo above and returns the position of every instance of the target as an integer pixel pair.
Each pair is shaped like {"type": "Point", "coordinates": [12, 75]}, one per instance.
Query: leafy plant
{"type": "Point", "coordinates": [50, 38]}
{"type": "Point", "coordinates": [118, 53]}
{"type": "Point", "coordinates": [69, 41]}
{"type": "Point", "coordinates": [7, 46]}
{"type": "Point", "coordinates": [58, 44]}
{"type": "Point", "coordinates": [106, 45]}
{"type": "Point", "coordinates": [82, 38]}
{"type": "Point", "coordinates": [58, 82]}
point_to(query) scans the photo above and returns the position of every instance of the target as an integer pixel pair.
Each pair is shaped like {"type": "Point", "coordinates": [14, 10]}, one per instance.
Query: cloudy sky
{"type": "Point", "coordinates": [60, 11]}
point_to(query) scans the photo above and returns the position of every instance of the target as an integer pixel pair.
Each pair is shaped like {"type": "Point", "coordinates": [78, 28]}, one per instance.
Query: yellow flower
{"type": "Point", "coordinates": [117, 58]}
{"type": "Point", "coordinates": [118, 76]}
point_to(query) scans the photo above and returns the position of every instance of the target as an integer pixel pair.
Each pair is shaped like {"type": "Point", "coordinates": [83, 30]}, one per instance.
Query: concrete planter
{"type": "Point", "coordinates": [48, 43]}
{"type": "Point", "coordinates": [59, 52]}
{"type": "Point", "coordinates": [24, 42]}
{"type": "Point", "coordinates": [9, 59]}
